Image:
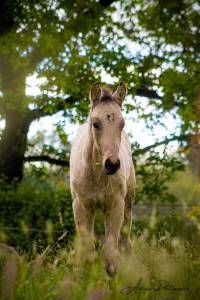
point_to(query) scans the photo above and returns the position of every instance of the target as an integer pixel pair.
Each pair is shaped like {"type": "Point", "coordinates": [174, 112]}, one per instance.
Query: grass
{"type": "Point", "coordinates": [164, 266]}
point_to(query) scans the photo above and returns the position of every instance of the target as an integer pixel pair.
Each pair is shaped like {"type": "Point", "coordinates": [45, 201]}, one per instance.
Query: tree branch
{"type": "Point", "coordinates": [181, 137]}
{"type": "Point", "coordinates": [106, 3]}
{"type": "Point", "coordinates": [65, 163]}
{"type": "Point", "coordinates": [60, 104]}
{"type": "Point", "coordinates": [7, 21]}
{"type": "Point", "coordinates": [46, 158]}
{"type": "Point", "coordinates": [143, 91]}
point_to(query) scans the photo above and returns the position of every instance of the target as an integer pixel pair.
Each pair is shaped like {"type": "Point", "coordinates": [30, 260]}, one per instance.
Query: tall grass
{"type": "Point", "coordinates": [164, 268]}
{"type": "Point", "coordinates": [164, 263]}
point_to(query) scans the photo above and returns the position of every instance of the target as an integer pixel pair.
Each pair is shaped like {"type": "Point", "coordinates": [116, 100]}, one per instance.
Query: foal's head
{"type": "Point", "coordinates": [107, 123]}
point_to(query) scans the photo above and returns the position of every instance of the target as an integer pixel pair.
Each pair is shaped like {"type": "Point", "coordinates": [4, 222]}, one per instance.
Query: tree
{"type": "Point", "coordinates": [47, 38]}
{"type": "Point", "coordinates": [70, 43]}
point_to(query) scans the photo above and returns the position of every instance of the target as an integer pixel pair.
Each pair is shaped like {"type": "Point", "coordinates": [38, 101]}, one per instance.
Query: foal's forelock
{"type": "Point", "coordinates": [107, 96]}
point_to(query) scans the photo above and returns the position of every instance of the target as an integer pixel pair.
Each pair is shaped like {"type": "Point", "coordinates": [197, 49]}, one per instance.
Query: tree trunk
{"type": "Point", "coordinates": [194, 142]}
{"type": "Point", "coordinates": [194, 154]}
{"type": "Point", "coordinates": [13, 146]}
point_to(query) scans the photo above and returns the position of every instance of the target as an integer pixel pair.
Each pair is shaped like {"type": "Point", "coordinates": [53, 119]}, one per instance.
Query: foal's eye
{"type": "Point", "coordinates": [122, 124]}
{"type": "Point", "coordinates": [96, 125]}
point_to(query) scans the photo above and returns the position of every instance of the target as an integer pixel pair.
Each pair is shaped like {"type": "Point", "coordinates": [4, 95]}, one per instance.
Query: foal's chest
{"type": "Point", "coordinates": [104, 188]}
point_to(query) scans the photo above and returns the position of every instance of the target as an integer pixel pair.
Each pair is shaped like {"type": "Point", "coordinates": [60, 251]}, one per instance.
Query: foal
{"type": "Point", "coordinates": [102, 173]}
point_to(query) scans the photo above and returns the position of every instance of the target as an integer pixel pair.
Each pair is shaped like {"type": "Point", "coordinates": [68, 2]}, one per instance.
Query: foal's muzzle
{"type": "Point", "coordinates": [110, 167]}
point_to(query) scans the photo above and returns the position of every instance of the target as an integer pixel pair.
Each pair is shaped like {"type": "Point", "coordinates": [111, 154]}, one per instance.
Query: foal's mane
{"type": "Point", "coordinates": [106, 95]}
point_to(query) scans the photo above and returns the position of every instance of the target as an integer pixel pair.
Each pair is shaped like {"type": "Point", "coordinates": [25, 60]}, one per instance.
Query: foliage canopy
{"type": "Point", "coordinates": [152, 45]}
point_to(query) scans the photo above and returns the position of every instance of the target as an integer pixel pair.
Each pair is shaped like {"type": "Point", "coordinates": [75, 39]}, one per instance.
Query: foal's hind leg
{"type": "Point", "coordinates": [125, 242]}
{"type": "Point", "coordinates": [84, 219]}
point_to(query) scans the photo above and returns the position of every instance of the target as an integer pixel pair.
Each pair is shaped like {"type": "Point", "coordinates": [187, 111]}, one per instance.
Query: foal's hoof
{"type": "Point", "coordinates": [112, 266]}
{"type": "Point", "coordinates": [111, 269]}
{"type": "Point", "coordinates": [112, 259]}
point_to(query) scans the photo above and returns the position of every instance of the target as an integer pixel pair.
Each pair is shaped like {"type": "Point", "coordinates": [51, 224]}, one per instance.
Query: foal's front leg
{"type": "Point", "coordinates": [114, 217]}
{"type": "Point", "coordinates": [84, 219]}
{"type": "Point", "coordinates": [125, 240]}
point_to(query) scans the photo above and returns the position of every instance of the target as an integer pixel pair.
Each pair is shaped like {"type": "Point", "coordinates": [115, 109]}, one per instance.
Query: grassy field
{"type": "Point", "coordinates": [162, 265]}
{"type": "Point", "coordinates": [164, 268]}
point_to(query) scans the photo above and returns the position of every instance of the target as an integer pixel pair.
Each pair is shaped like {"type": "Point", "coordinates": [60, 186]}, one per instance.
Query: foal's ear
{"type": "Point", "coordinates": [120, 92]}
{"type": "Point", "coordinates": [95, 93]}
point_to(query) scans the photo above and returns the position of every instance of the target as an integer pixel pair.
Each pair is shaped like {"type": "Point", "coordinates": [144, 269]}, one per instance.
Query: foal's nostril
{"type": "Point", "coordinates": [111, 168]}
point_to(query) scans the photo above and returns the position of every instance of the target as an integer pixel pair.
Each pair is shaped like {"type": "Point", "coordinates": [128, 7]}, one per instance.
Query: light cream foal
{"type": "Point", "coordinates": [102, 173]}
